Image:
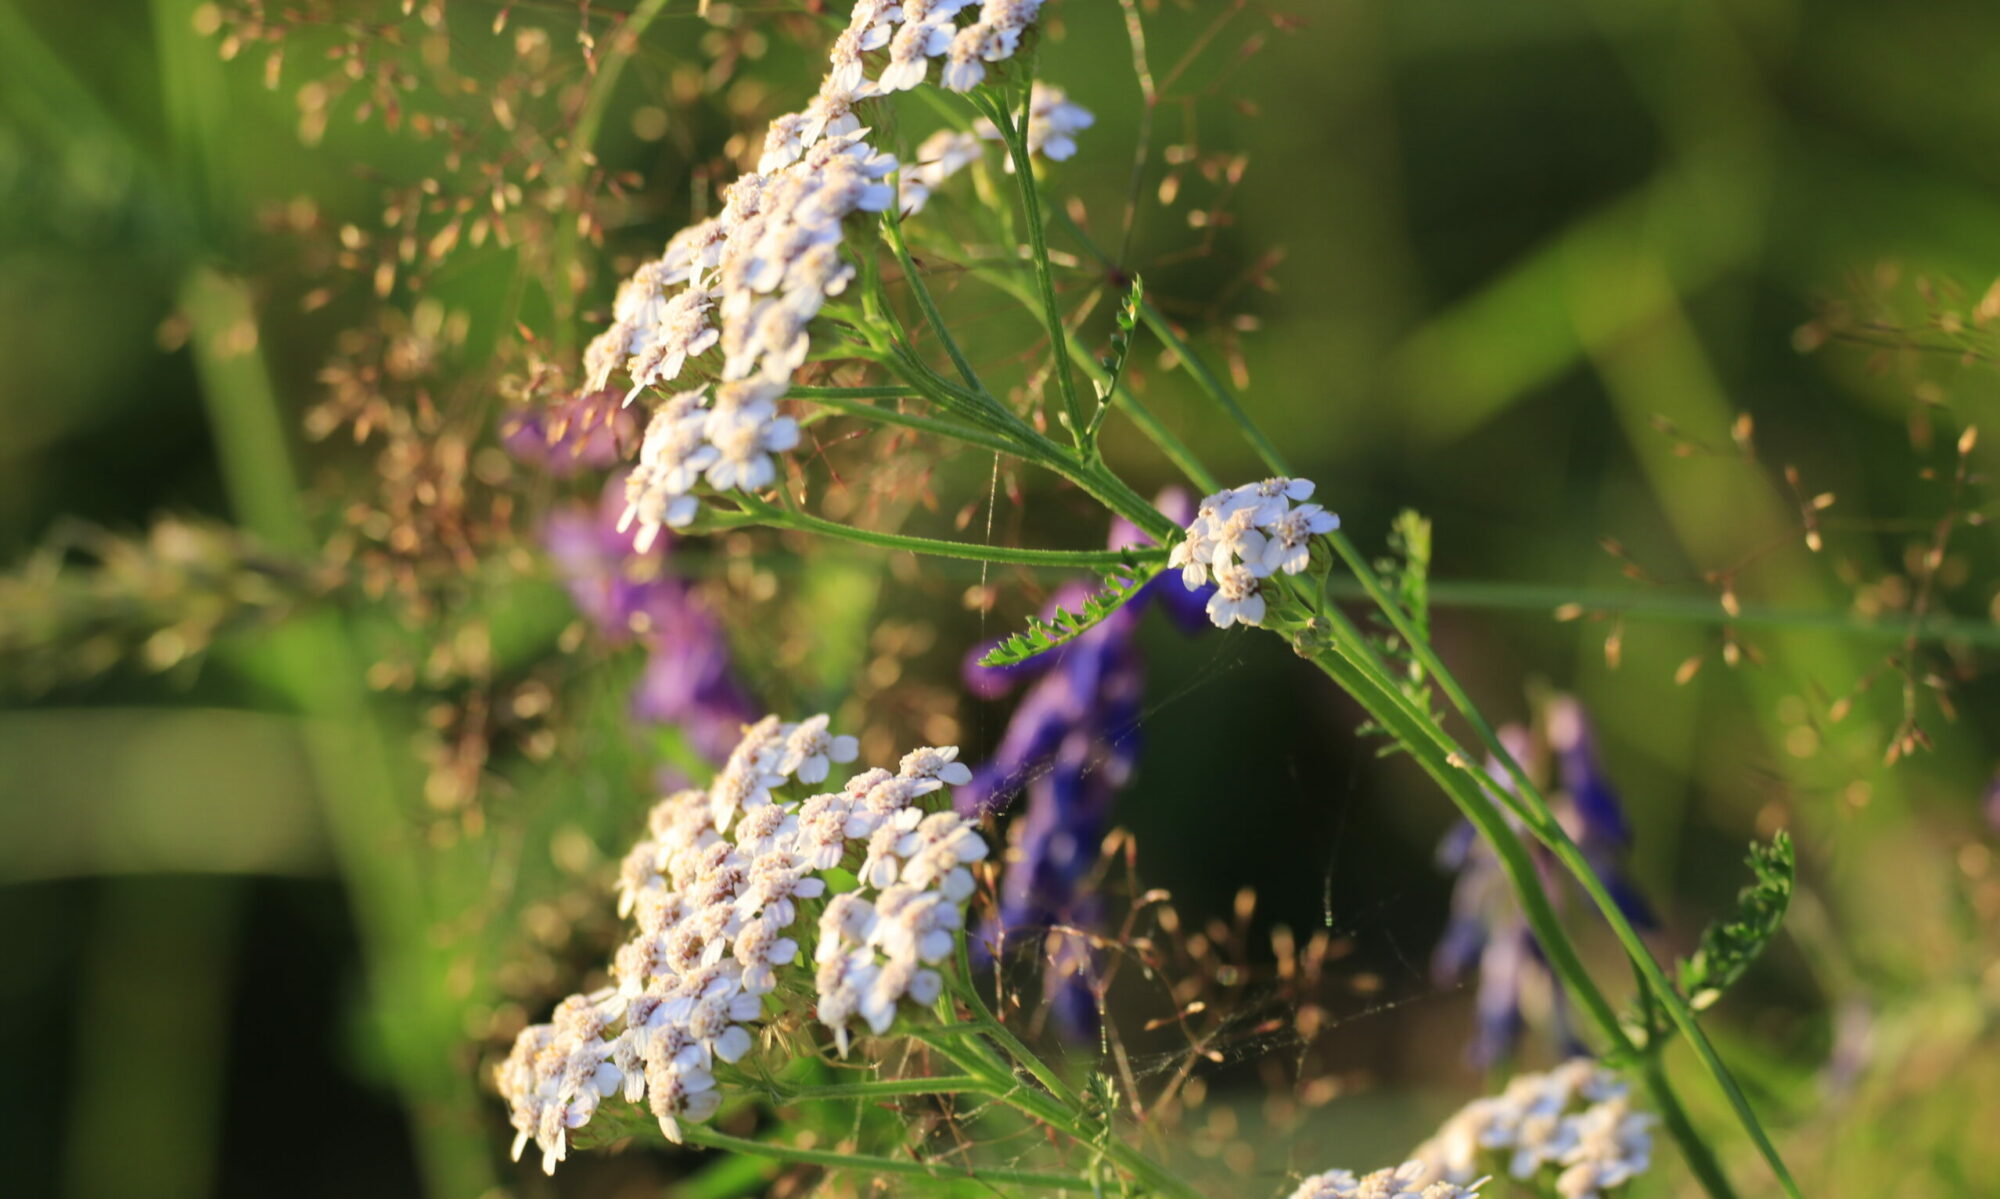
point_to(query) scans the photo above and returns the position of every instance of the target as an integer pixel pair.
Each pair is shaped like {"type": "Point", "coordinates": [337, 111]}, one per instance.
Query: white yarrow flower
{"type": "Point", "coordinates": [1287, 546]}
{"type": "Point", "coordinates": [1244, 535]}
{"type": "Point", "coordinates": [717, 888]}
{"type": "Point", "coordinates": [1238, 598]}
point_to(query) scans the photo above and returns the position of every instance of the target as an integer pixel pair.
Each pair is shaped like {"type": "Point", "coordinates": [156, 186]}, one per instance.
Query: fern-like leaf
{"type": "Point", "coordinates": [1731, 944]}
{"type": "Point", "coordinates": [1728, 946]}
{"type": "Point", "coordinates": [1121, 349]}
{"type": "Point", "coordinates": [1409, 574]}
{"type": "Point", "coordinates": [1121, 584]}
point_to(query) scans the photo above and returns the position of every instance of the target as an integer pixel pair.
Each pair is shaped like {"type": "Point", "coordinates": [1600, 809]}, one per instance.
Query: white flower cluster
{"type": "Point", "coordinates": [1411, 1180]}
{"type": "Point", "coordinates": [729, 893]}
{"type": "Point", "coordinates": [1245, 535]}
{"type": "Point", "coordinates": [748, 282]}
{"type": "Point", "coordinates": [1576, 1122]}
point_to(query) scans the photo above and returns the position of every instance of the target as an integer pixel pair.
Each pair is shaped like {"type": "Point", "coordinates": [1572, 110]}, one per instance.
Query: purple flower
{"type": "Point", "coordinates": [1486, 930]}
{"type": "Point", "coordinates": [630, 597]}
{"type": "Point", "coordinates": [573, 433]}
{"type": "Point", "coordinates": [1070, 747]}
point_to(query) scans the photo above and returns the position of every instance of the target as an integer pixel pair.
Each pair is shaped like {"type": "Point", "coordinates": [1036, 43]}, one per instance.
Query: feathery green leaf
{"type": "Point", "coordinates": [1121, 583]}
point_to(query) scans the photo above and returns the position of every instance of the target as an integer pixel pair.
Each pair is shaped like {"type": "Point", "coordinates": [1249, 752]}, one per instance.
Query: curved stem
{"type": "Point", "coordinates": [1471, 798]}
{"type": "Point", "coordinates": [1173, 448]}
{"type": "Point", "coordinates": [1700, 1158]}
{"type": "Point", "coordinates": [1012, 1044]}
{"type": "Point", "coordinates": [1385, 704]}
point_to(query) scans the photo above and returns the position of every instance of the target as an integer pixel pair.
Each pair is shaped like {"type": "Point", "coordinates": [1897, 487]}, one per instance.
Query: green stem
{"type": "Point", "coordinates": [862, 406]}
{"type": "Point", "coordinates": [1700, 1158]}
{"type": "Point", "coordinates": [1012, 1044]}
{"type": "Point", "coordinates": [697, 1134]}
{"type": "Point", "coordinates": [892, 226]}
{"type": "Point", "coordinates": [1379, 696]}
{"type": "Point", "coordinates": [1549, 831]}
{"type": "Point", "coordinates": [888, 1088]}
{"type": "Point", "coordinates": [348, 751]}
{"type": "Point", "coordinates": [764, 513]}
{"type": "Point", "coordinates": [1544, 825]}
{"type": "Point", "coordinates": [884, 392]}
{"type": "Point", "coordinates": [1060, 1107]}
{"type": "Point", "coordinates": [1173, 448]}
{"type": "Point", "coordinates": [1192, 363]}
{"type": "Point", "coordinates": [1015, 135]}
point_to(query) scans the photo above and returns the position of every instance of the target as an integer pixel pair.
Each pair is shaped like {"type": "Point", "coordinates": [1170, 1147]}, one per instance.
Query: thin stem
{"type": "Point", "coordinates": [884, 392]}
{"type": "Point", "coordinates": [1542, 821]}
{"type": "Point", "coordinates": [1385, 704]}
{"type": "Point", "coordinates": [976, 408]}
{"type": "Point", "coordinates": [1195, 367]}
{"type": "Point", "coordinates": [1173, 448]}
{"type": "Point", "coordinates": [1073, 1119]}
{"type": "Point", "coordinates": [888, 1088]}
{"type": "Point", "coordinates": [765, 513]}
{"type": "Point", "coordinates": [1012, 1044]}
{"type": "Point", "coordinates": [1015, 135]}
{"type": "Point", "coordinates": [1668, 996]}
{"type": "Point", "coordinates": [1435, 752]}
{"type": "Point", "coordinates": [892, 227]}
{"type": "Point", "coordinates": [696, 1134]}
{"type": "Point", "coordinates": [862, 407]}
{"type": "Point", "coordinates": [1700, 1158]}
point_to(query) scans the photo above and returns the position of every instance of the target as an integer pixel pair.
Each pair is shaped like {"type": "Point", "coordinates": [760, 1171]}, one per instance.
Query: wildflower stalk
{"type": "Point", "coordinates": [1377, 692]}
{"type": "Point", "coordinates": [1015, 135]}
{"type": "Point", "coordinates": [1538, 816]}
{"type": "Point", "coordinates": [759, 512]}
{"type": "Point", "coordinates": [1061, 1107]}
{"type": "Point", "coordinates": [1694, 1150]}
{"type": "Point", "coordinates": [1185, 357]}
{"type": "Point", "coordinates": [1533, 806]}
{"type": "Point", "coordinates": [892, 229]}
{"type": "Point", "coordinates": [1077, 466]}
{"type": "Point", "coordinates": [1353, 664]}
{"type": "Point", "coordinates": [1043, 1073]}
{"type": "Point", "coordinates": [1171, 447]}
{"type": "Point", "coordinates": [1064, 1116]}
{"type": "Point", "coordinates": [864, 407]}
{"type": "Point", "coordinates": [891, 1088]}
{"type": "Point", "coordinates": [994, 1060]}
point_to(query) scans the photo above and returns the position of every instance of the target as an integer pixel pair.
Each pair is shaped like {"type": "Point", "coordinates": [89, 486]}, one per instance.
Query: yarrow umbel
{"type": "Point", "coordinates": [735, 928]}
{"type": "Point", "coordinates": [1242, 537]}
{"type": "Point", "coordinates": [737, 293]}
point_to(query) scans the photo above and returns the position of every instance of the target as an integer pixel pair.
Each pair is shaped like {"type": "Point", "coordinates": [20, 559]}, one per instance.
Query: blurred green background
{"type": "Point", "coordinates": [1460, 257]}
